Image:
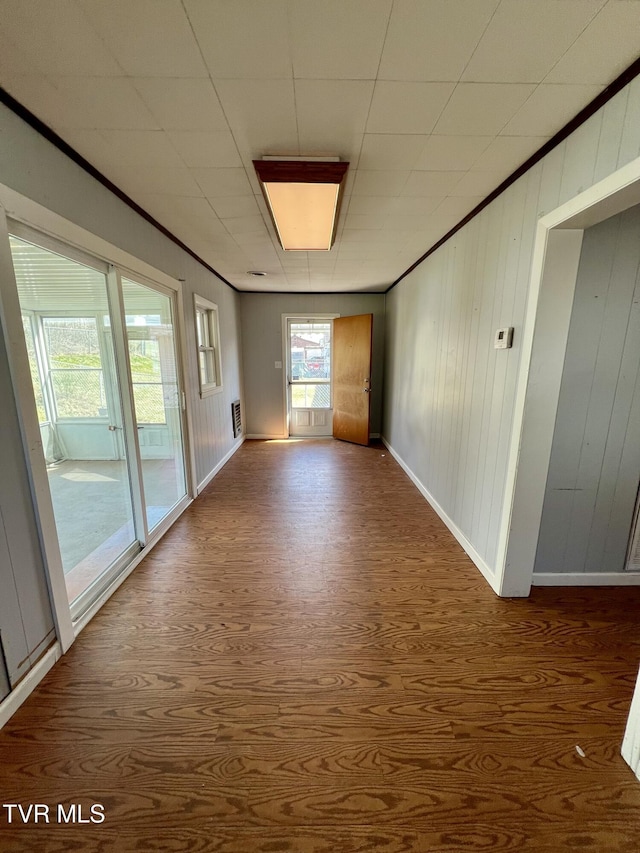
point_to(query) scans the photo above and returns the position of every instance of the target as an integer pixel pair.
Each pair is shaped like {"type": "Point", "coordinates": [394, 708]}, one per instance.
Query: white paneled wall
{"type": "Point", "coordinates": [449, 396]}
{"type": "Point", "coordinates": [595, 459]}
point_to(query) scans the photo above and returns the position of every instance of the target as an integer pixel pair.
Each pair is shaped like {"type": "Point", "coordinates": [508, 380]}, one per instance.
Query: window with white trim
{"type": "Point", "coordinates": [208, 341]}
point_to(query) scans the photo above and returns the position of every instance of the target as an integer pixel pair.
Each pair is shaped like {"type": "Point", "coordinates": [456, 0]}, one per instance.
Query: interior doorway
{"type": "Point", "coordinates": [309, 390]}
{"type": "Point", "coordinates": [544, 339]}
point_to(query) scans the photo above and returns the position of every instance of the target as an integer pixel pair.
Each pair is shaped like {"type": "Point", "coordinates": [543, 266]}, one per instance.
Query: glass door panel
{"type": "Point", "coordinates": [65, 312]}
{"type": "Point", "coordinates": [309, 371]}
{"type": "Point", "coordinates": [156, 395]}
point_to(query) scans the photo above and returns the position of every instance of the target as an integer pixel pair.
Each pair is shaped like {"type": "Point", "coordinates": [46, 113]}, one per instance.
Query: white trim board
{"type": "Point", "coordinates": [631, 743]}
{"type": "Point", "coordinates": [221, 463]}
{"type": "Point", "coordinates": [259, 436]}
{"type": "Point", "coordinates": [586, 579]}
{"type": "Point", "coordinates": [25, 688]}
{"type": "Point", "coordinates": [471, 552]}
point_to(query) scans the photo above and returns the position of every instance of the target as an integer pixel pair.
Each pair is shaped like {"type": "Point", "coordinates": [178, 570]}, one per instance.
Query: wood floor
{"type": "Point", "coordinates": [309, 663]}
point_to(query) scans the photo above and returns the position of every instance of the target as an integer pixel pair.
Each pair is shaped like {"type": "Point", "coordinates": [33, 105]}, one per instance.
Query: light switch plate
{"type": "Point", "coordinates": [278, 365]}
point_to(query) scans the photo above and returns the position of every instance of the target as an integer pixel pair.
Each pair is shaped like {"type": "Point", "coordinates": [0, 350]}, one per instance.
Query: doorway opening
{"type": "Point", "coordinates": [545, 335]}
{"type": "Point", "coordinates": [309, 391]}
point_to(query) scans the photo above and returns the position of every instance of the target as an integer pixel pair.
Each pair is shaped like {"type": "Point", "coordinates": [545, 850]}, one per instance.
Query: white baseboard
{"type": "Point", "coordinates": [586, 579]}
{"type": "Point", "coordinates": [374, 435]}
{"type": "Point", "coordinates": [222, 463]}
{"type": "Point", "coordinates": [265, 437]}
{"type": "Point", "coordinates": [631, 743]}
{"type": "Point", "coordinates": [479, 561]}
{"type": "Point", "coordinates": [10, 705]}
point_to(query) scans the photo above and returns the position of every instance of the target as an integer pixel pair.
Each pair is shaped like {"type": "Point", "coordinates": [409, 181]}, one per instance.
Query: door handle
{"type": "Point", "coordinates": [113, 428]}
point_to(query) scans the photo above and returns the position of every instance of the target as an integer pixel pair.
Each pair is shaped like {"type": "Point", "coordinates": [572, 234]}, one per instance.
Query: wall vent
{"type": "Point", "coordinates": [236, 418]}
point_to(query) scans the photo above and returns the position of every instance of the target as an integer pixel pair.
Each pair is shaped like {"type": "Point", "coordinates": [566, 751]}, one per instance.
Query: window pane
{"type": "Point", "coordinates": [208, 367]}
{"type": "Point", "coordinates": [33, 368]}
{"type": "Point", "coordinates": [73, 352]}
{"type": "Point", "coordinates": [79, 393]}
{"type": "Point", "coordinates": [311, 396]}
{"type": "Point", "coordinates": [156, 393]}
{"type": "Point", "coordinates": [310, 350]}
{"type": "Point", "coordinates": [144, 357]}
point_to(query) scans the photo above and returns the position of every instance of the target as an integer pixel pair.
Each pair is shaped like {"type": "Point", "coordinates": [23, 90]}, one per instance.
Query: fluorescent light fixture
{"type": "Point", "coordinates": [303, 197]}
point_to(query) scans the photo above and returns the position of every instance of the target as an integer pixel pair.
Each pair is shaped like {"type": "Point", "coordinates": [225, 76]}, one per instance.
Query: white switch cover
{"type": "Point", "coordinates": [278, 365]}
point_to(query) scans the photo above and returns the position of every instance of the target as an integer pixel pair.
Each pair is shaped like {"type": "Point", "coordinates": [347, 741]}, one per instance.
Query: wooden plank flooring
{"type": "Point", "coordinates": [308, 663]}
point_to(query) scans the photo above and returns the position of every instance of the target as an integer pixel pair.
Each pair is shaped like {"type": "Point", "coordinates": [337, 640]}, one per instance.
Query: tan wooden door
{"type": "Point", "coordinates": [352, 377]}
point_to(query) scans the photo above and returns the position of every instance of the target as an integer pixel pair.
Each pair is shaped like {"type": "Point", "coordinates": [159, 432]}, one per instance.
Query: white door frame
{"type": "Point", "coordinates": [545, 331]}
{"type": "Point", "coordinates": [17, 207]}
{"type": "Point", "coordinates": [303, 318]}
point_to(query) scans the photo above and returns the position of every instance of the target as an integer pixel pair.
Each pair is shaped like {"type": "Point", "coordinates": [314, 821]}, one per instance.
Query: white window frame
{"type": "Point", "coordinates": [204, 307]}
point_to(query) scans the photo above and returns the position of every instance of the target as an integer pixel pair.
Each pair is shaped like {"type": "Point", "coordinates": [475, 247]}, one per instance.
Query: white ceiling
{"type": "Point", "coordinates": [433, 103]}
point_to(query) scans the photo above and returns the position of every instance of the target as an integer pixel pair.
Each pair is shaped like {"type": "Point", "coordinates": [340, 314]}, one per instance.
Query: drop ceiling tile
{"type": "Point", "coordinates": [14, 61]}
{"type": "Point", "coordinates": [476, 183]}
{"type": "Point", "coordinates": [435, 184]}
{"type": "Point", "coordinates": [508, 152]}
{"type": "Point", "coordinates": [192, 216]}
{"type": "Point", "coordinates": [206, 148]}
{"type": "Point", "coordinates": [261, 114]}
{"type": "Point", "coordinates": [148, 38]}
{"type": "Point", "coordinates": [383, 183]}
{"type": "Point", "coordinates": [92, 103]}
{"type": "Point", "coordinates": [399, 222]}
{"type": "Point", "coordinates": [407, 107]}
{"type": "Point", "coordinates": [56, 38]}
{"type": "Point", "coordinates": [218, 183]}
{"type": "Point", "coordinates": [481, 109]}
{"type": "Point", "coordinates": [337, 40]}
{"type": "Point", "coordinates": [363, 235]}
{"type": "Point", "coordinates": [331, 116]}
{"type": "Point", "coordinates": [457, 206]}
{"type": "Point", "coordinates": [231, 207]}
{"type": "Point", "coordinates": [135, 179]}
{"type": "Point", "coordinates": [391, 151]}
{"type": "Point", "coordinates": [524, 40]}
{"type": "Point", "coordinates": [607, 46]}
{"type": "Point", "coordinates": [549, 108]}
{"type": "Point", "coordinates": [368, 221]}
{"type": "Point", "coordinates": [247, 39]}
{"type": "Point", "coordinates": [433, 40]}
{"type": "Point", "coordinates": [413, 206]}
{"type": "Point", "coordinates": [178, 103]}
{"type": "Point", "coordinates": [365, 204]}
{"type": "Point", "coordinates": [452, 153]}
{"type": "Point", "coordinates": [245, 225]}
{"type": "Point", "coordinates": [144, 147]}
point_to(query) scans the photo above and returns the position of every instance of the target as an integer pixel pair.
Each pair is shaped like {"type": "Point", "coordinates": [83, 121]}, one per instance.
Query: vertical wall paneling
{"type": "Point", "coordinates": [590, 495]}
{"type": "Point", "coordinates": [489, 288]}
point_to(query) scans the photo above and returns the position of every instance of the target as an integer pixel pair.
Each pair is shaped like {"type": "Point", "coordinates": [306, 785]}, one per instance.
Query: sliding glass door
{"type": "Point", "coordinates": [157, 398]}
{"type": "Point", "coordinates": [106, 384]}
